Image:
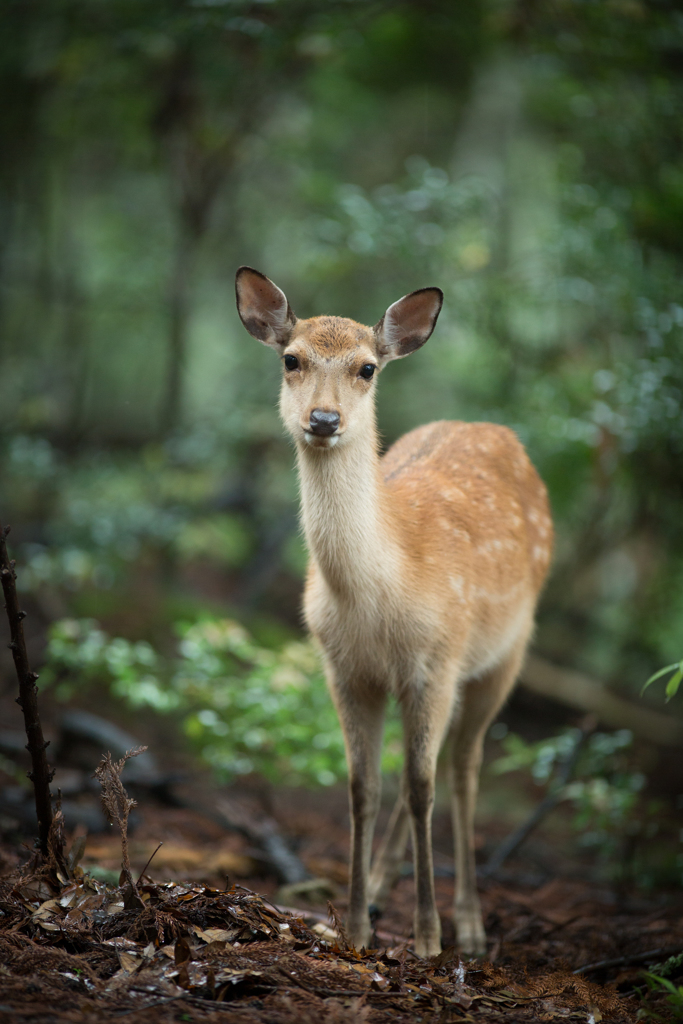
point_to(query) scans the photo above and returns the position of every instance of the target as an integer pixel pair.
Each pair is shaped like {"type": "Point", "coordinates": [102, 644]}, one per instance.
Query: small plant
{"type": "Point", "coordinates": [673, 683]}
{"type": "Point", "coordinates": [658, 985]}
{"type": "Point", "coordinates": [118, 805]}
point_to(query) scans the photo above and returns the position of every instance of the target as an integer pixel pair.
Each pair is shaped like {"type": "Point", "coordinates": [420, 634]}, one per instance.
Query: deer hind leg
{"type": "Point", "coordinates": [480, 700]}
{"type": "Point", "coordinates": [425, 719]}
{"type": "Point", "coordinates": [362, 722]}
{"type": "Point", "coordinates": [386, 865]}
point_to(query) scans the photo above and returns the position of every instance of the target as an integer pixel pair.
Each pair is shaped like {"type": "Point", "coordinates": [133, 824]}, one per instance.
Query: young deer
{"type": "Point", "coordinates": [425, 569]}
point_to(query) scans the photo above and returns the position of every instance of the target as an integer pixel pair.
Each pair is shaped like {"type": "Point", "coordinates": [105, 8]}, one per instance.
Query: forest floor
{"type": "Point", "coordinates": [198, 944]}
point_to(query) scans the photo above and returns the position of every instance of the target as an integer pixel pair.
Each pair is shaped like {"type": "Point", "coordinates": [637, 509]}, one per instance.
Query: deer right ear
{"type": "Point", "coordinates": [263, 308]}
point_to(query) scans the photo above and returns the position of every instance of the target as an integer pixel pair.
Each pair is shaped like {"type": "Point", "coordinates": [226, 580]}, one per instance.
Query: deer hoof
{"type": "Point", "coordinates": [428, 937]}
{"type": "Point", "coordinates": [359, 933]}
{"type": "Point", "coordinates": [471, 935]}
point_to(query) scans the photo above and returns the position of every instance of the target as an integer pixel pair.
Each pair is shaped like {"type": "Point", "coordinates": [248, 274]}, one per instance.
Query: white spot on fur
{"type": "Point", "coordinates": [458, 584]}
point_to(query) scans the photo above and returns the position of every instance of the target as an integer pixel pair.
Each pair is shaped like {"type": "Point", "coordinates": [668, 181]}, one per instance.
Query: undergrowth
{"type": "Point", "coordinates": [243, 707]}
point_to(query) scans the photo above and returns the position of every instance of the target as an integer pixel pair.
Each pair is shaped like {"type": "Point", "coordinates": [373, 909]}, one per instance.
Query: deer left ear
{"type": "Point", "coordinates": [263, 308]}
{"type": "Point", "coordinates": [408, 323]}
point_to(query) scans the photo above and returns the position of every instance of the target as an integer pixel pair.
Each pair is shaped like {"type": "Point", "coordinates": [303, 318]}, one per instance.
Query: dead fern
{"type": "Point", "coordinates": [338, 925]}
{"type": "Point", "coordinates": [117, 806]}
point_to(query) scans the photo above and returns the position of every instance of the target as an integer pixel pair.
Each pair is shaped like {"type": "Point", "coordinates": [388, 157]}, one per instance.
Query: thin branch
{"type": "Point", "coordinates": [40, 774]}
{"type": "Point", "coordinates": [152, 856]}
{"type": "Point", "coordinates": [547, 804]}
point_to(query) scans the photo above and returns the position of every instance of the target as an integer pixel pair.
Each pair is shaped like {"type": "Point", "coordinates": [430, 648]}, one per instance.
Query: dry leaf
{"type": "Point", "coordinates": [129, 963]}
{"type": "Point", "coordinates": [214, 934]}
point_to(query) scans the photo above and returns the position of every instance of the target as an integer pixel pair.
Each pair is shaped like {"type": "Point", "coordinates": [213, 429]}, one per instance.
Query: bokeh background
{"type": "Point", "coordinates": [523, 156]}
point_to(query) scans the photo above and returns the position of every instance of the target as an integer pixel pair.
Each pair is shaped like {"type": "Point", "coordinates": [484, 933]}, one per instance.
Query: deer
{"type": "Point", "coordinates": [426, 564]}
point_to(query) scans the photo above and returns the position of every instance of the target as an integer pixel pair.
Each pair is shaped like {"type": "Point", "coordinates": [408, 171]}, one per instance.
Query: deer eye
{"type": "Point", "coordinates": [291, 363]}
{"type": "Point", "coordinates": [367, 371]}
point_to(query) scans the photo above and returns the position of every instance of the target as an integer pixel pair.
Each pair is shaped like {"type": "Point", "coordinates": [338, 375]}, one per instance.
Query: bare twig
{"type": "Point", "coordinates": [547, 804]}
{"type": "Point", "coordinates": [151, 858]}
{"type": "Point", "coordinates": [118, 805]}
{"type": "Point", "coordinates": [40, 774]}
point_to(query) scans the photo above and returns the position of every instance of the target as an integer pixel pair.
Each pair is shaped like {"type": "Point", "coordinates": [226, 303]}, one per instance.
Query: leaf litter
{"type": "Point", "coordinates": [74, 948]}
{"type": "Point", "coordinates": [193, 952]}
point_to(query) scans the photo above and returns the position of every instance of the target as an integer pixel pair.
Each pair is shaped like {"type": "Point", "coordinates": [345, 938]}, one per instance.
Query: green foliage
{"type": "Point", "coordinates": [528, 162]}
{"type": "Point", "coordinates": [672, 965]}
{"type": "Point", "coordinates": [105, 513]}
{"type": "Point", "coordinates": [659, 983]}
{"type": "Point", "coordinates": [611, 813]}
{"type": "Point", "coordinates": [674, 996]}
{"type": "Point", "coordinates": [243, 707]}
{"type": "Point", "coordinates": [673, 683]}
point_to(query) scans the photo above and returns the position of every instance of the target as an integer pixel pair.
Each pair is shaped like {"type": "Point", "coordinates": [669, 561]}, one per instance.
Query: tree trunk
{"type": "Point", "coordinates": [179, 308]}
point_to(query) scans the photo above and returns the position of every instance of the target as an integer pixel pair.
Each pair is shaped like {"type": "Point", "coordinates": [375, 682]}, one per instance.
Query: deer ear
{"type": "Point", "coordinates": [408, 323]}
{"type": "Point", "coordinates": [263, 308]}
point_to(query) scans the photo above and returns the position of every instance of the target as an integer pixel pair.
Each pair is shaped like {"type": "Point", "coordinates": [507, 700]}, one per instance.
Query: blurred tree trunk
{"type": "Point", "coordinates": [178, 309]}
{"type": "Point", "coordinates": [76, 339]}
{"type": "Point", "coordinates": [199, 157]}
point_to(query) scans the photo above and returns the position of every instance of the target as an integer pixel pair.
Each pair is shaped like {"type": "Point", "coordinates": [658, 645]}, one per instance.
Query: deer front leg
{"type": "Point", "coordinates": [362, 721]}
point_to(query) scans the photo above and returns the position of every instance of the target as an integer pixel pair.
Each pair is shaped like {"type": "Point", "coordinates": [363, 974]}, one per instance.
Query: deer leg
{"type": "Point", "coordinates": [362, 721]}
{"type": "Point", "coordinates": [480, 700]}
{"type": "Point", "coordinates": [387, 862]}
{"type": "Point", "coordinates": [425, 719]}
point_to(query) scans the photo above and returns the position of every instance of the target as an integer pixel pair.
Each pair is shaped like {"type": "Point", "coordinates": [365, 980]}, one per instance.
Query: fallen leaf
{"type": "Point", "coordinates": [214, 934]}
{"type": "Point", "coordinates": [129, 963]}
{"type": "Point", "coordinates": [462, 999]}
{"type": "Point", "coordinates": [182, 951]}
{"type": "Point", "coordinates": [120, 943]}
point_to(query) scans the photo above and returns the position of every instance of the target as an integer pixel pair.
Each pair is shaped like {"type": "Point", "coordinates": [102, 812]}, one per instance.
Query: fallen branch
{"type": "Point", "coordinates": [580, 691]}
{"type": "Point", "coordinates": [547, 804]}
{"type": "Point", "coordinates": [40, 775]}
{"type": "Point", "coordinates": [83, 726]}
{"type": "Point", "coordinates": [650, 955]}
{"type": "Point", "coordinates": [265, 834]}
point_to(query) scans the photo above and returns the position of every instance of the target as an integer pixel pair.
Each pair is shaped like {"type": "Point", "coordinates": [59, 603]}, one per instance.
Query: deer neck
{"type": "Point", "coordinates": [344, 513]}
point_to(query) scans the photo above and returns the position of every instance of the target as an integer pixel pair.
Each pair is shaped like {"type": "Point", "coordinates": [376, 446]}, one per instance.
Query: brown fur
{"type": "Point", "coordinates": [424, 575]}
{"type": "Point", "coordinates": [333, 335]}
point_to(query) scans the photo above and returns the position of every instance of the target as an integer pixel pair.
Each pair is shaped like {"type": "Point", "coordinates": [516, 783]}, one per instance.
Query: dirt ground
{"type": "Point", "coordinates": [197, 944]}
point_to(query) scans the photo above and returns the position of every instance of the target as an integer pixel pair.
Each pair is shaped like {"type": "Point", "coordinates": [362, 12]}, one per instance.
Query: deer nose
{"type": "Point", "coordinates": [323, 422]}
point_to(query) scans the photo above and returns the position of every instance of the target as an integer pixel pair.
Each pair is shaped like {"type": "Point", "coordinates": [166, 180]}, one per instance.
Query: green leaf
{"type": "Point", "coordinates": [674, 683]}
{"type": "Point", "coordinates": [664, 983]}
{"type": "Point", "coordinates": [658, 675]}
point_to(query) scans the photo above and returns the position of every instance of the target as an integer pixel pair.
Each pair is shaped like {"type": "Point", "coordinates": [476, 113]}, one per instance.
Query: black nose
{"type": "Point", "coordinates": [323, 422]}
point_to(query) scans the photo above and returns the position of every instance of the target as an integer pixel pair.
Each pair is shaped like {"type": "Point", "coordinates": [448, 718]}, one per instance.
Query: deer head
{"type": "Point", "coordinates": [331, 364]}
